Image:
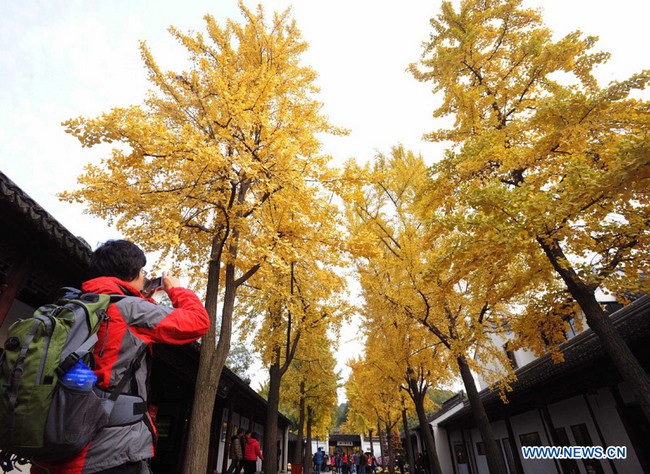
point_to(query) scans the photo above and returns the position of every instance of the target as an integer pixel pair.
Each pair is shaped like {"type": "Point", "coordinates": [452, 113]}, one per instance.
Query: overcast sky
{"type": "Point", "coordinates": [65, 58]}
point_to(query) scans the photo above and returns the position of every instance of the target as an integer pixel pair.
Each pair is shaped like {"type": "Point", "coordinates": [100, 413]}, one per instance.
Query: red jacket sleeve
{"type": "Point", "coordinates": [258, 451]}
{"type": "Point", "coordinates": [185, 323]}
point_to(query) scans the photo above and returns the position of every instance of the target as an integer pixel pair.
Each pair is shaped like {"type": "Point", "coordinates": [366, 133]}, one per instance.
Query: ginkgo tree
{"type": "Point", "coordinates": [399, 347]}
{"type": "Point", "coordinates": [461, 324]}
{"type": "Point", "coordinates": [297, 293]}
{"type": "Point", "coordinates": [545, 157]}
{"type": "Point", "coordinates": [320, 401]}
{"type": "Point", "coordinates": [373, 405]}
{"type": "Point", "coordinates": [210, 147]}
{"type": "Point", "coordinates": [461, 293]}
{"type": "Point", "coordinates": [309, 392]}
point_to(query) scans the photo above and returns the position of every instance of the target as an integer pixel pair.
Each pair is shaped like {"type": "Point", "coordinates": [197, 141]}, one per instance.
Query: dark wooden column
{"type": "Point", "coordinates": [229, 433]}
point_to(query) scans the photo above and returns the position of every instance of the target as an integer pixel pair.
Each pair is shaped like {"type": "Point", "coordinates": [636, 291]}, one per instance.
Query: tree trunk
{"type": "Point", "coordinates": [601, 324]}
{"type": "Point", "coordinates": [372, 451]}
{"type": "Point", "coordinates": [624, 360]}
{"type": "Point", "coordinates": [494, 460]}
{"type": "Point", "coordinates": [382, 441]}
{"type": "Point", "coordinates": [307, 463]}
{"type": "Point", "coordinates": [417, 394]}
{"type": "Point", "coordinates": [270, 463]}
{"type": "Point", "coordinates": [211, 362]}
{"type": "Point", "coordinates": [297, 452]}
{"type": "Point", "coordinates": [198, 440]}
{"type": "Point", "coordinates": [389, 443]}
{"type": "Point", "coordinates": [409, 446]}
{"type": "Point", "coordinates": [276, 372]}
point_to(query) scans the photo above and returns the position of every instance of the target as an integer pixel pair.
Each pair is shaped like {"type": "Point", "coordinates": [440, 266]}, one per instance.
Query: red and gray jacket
{"type": "Point", "coordinates": [133, 321]}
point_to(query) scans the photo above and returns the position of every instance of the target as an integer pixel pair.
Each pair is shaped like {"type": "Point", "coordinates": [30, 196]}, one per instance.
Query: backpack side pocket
{"type": "Point", "coordinates": [74, 418]}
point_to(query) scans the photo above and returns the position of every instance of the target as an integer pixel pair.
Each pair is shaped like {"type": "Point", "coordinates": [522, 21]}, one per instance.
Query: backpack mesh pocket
{"type": "Point", "coordinates": [75, 416]}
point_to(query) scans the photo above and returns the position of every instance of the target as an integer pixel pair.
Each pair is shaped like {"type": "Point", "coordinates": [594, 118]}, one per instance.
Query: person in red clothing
{"type": "Point", "coordinates": [133, 322]}
{"type": "Point", "coordinates": [251, 453]}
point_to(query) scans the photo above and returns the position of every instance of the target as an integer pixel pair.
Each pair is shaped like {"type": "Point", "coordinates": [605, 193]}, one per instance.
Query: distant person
{"type": "Point", "coordinates": [370, 466]}
{"type": "Point", "coordinates": [425, 463]}
{"type": "Point", "coordinates": [236, 453]}
{"type": "Point", "coordinates": [419, 464]}
{"type": "Point", "coordinates": [251, 453]}
{"type": "Point", "coordinates": [318, 460]}
{"type": "Point", "coordinates": [363, 462]}
{"type": "Point", "coordinates": [338, 458]}
{"type": "Point", "coordinates": [243, 440]}
{"type": "Point", "coordinates": [355, 458]}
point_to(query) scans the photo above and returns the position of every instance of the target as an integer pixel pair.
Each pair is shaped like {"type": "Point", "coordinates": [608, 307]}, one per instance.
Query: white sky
{"type": "Point", "coordinates": [65, 58]}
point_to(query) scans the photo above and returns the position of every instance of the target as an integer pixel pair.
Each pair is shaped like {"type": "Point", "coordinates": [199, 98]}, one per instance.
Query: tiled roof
{"type": "Point", "coordinates": [17, 202]}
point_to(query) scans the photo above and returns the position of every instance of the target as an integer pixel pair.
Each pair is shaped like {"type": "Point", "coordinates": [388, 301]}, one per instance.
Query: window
{"type": "Point", "coordinates": [507, 449]}
{"type": "Point", "coordinates": [570, 466]}
{"type": "Point", "coordinates": [224, 427]}
{"type": "Point", "coordinates": [461, 453]}
{"type": "Point", "coordinates": [511, 357]}
{"type": "Point", "coordinates": [530, 439]}
{"type": "Point", "coordinates": [582, 437]}
{"type": "Point", "coordinates": [480, 448]}
{"type": "Point", "coordinates": [224, 431]}
{"type": "Point", "coordinates": [571, 332]}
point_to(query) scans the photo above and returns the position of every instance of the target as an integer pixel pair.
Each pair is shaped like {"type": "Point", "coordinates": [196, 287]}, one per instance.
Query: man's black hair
{"type": "Point", "coordinates": [117, 258]}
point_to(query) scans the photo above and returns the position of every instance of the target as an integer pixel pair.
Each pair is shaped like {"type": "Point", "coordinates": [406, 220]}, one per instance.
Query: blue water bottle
{"type": "Point", "coordinates": [79, 377]}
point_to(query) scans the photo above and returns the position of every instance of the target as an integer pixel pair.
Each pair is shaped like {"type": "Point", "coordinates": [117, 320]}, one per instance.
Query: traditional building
{"type": "Point", "coordinates": [347, 443]}
{"type": "Point", "coordinates": [579, 402]}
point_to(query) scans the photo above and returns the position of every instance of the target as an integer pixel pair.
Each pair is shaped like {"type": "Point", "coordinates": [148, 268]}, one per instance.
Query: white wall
{"type": "Point", "coordinates": [564, 414]}
{"type": "Point", "coordinates": [240, 421]}
{"type": "Point", "coordinates": [376, 445]}
{"type": "Point", "coordinates": [603, 406]}
{"type": "Point", "coordinates": [500, 432]}
{"type": "Point", "coordinates": [442, 440]}
{"type": "Point", "coordinates": [575, 411]}
{"type": "Point", "coordinates": [321, 443]}
{"type": "Point", "coordinates": [530, 422]}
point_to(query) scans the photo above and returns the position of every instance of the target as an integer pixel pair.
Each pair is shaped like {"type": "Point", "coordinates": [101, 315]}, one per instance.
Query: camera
{"type": "Point", "coordinates": [151, 285]}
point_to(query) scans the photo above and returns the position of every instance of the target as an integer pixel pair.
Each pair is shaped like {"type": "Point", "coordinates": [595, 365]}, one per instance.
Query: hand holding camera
{"type": "Point", "coordinates": [169, 281]}
{"type": "Point", "coordinates": [166, 282]}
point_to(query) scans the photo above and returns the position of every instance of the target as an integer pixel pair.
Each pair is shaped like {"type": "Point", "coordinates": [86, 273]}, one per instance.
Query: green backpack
{"type": "Point", "coordinates": [37, 418]}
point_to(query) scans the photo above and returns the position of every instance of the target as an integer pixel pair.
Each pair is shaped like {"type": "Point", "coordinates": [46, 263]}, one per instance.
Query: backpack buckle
{"type": "Point", "coordinates": [67, 364]}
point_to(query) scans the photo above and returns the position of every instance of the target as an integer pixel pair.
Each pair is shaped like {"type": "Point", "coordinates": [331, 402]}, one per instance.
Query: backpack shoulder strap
{"type": "Point", "coordinates": [76, 295]}
{"type": "Point", "coordinates": [133, 367]}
